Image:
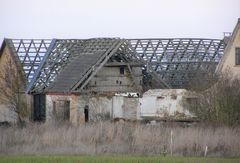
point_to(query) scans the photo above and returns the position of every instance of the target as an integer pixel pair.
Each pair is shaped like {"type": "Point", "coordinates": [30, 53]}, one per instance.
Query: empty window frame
{"type": "Point", "coordinates": [61, 110]}
{"type": "Point", "coordinates": [237, 55]}
{"type": "Point", "coordinates": [122, 70]}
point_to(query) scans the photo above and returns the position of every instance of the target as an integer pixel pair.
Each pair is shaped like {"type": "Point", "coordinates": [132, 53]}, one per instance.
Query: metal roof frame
{"type": "Point", "coordinates": [30, 53]}
{"type": "Point", "coordinates": [174, 62]}
{"type": "Point", "coordinates": [175, 59]}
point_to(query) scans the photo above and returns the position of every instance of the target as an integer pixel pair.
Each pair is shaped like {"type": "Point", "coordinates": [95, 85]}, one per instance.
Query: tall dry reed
{"type": "Point", "coordinates": [119, 138]}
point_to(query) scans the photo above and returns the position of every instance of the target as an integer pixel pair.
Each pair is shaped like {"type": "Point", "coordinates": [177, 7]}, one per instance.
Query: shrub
{"type": "Point", "coordinates": [219, 103]}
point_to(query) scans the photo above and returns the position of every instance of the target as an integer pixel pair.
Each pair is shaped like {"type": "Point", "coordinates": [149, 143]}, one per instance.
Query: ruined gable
{"type": "Point", "coordinates": [231, 60]}
{"type": "Point", "coordinates": [14, 104]}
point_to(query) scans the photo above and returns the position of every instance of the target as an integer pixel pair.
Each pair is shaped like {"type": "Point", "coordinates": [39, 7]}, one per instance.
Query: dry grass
{"type": "Point", "coordinates": [119, 138]}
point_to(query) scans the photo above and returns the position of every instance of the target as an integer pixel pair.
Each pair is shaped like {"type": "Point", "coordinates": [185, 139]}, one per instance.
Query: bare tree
{"type": "Point", "coordinates": [219, 103]}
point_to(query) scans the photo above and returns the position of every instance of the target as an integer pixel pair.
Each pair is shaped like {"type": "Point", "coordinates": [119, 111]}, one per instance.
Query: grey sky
{"type": "Point", "coordinates": [117, 18]}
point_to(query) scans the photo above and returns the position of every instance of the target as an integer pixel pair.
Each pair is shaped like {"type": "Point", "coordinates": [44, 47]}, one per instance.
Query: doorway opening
{"type": "Point", "coordinates": [39, 109]}
{"type": "Point", "coordinates": [86, 113]}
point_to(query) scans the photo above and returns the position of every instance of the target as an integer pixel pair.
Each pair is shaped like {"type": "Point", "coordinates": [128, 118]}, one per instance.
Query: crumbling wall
{"type": "Point", "coordinates": [51, 101]}
{"type": "Point", "coordinates": [126, 108]}
{"type": "Point", "coordinates": [112, 79]}
{"type": "Point", "coordinates": [155, 104]}
{"type": "Point", "coordinates": [164, 104]}
{"type": "Point", "coordinates": [99, 108]}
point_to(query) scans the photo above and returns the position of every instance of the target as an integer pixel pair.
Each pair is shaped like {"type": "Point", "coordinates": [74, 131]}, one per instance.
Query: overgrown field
{"type": "Point", "coordinates": [119, 138]}
{"type": "Point", "coordinates": [114, 159]}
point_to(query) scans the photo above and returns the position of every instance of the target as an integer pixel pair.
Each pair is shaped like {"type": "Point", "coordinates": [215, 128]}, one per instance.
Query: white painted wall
{"type": "Point", "coordinates": [117, 109]}
{"type": "Point", "coordinates": [163, 103]}
{"type": "Point", "coordinates": [157, 103]}
{"type": "Point", "coordinates": [125, 107]}
{"type": "Point", "coordinates": [148, 106]}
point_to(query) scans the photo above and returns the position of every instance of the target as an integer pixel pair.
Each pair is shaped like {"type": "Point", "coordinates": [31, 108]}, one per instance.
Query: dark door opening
{"type": "Point", "coordinates": [122, 70]}
{"type": "Point", "coordinates": [86, 109]}
{"type": "Point", "coordinates": [39, 109]}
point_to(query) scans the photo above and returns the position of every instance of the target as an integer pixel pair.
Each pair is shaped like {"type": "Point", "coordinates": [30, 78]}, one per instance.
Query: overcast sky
{"type": "Point", "coordinates": [117, 18]}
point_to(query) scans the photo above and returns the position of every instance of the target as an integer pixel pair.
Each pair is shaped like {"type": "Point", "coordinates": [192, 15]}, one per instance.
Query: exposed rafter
{"type": "Point", "coordinates": [81, 70]}
{"type": "Point", "coordinates": [174, 62]}
{"type": "Point", "coordinates": [30, 53]}
{"type": "Point", "coordinates": [58, 55]}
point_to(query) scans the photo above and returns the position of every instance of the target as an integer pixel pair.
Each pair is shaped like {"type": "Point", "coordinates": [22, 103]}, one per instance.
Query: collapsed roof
{"type": "Point", "coordinates": [67, 65]}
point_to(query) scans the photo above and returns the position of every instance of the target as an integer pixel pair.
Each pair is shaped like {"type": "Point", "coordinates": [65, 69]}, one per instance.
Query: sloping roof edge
{"type": "Point", "coordinates": [93, 69]}
{"type": "Point", "coordinates": [2, 47]}
{"type": "Point", "coordinates": [7, 43]}
{"type": "Point", "coordinates": [228, 47]}
{"type": "Point", "coordinates": [110, 52]}
{"type": "Point", "coordinates": [38, 72]}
